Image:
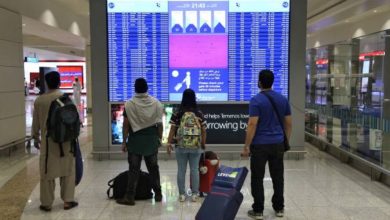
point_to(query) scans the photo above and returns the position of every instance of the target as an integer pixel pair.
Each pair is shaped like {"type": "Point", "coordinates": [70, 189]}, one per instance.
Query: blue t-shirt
{"type": "Point", "coordinates": [269, 130]}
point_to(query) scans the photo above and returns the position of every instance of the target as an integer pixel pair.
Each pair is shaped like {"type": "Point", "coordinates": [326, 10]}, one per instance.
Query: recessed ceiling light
{"type": "Point", "coordinates": [375, 11]}
{"type": "Point", "coordinates": [24, 24]}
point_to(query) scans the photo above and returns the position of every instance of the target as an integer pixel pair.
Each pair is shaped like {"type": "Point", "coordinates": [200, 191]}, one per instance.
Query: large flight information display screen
{"type": "Point", "coordinates": [215, 47]}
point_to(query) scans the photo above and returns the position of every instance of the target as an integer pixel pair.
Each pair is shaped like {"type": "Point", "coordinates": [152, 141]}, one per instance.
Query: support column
{"type": "Point", "coordinates": [89, 78]}
{"type": "Point", "coordinates": [298, 71]}
{"type": "Point", "coordinates": [100, 120]}
{"type": "Point", "coordinates": [12, 100]}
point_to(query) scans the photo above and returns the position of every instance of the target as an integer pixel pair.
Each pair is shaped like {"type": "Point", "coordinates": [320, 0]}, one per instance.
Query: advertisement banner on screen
{"type": "Point", "coordinates": [68, 75]}
{"type": "Point", "coordinates": [117, 123]}
{"type": "Point", "coordinates": [226, 123]}
{"type": "Point", "coordinates": [34, 76]}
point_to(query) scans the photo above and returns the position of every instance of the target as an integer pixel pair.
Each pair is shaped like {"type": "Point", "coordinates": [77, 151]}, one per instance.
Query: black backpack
{"type": "Point", "coordinates": [119, 184]}
{"type": "Point", "coordinates": [63, 123]}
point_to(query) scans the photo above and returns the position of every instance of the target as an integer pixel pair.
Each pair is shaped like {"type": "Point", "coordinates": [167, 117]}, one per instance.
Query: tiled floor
{"type": "Point", "coordinates": [317, 187]}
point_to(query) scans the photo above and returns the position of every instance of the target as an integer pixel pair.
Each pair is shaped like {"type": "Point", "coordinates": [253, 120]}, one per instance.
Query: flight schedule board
{"type": "Point", "coordinates": [137, 47]}
{"type": "Point", "coordinates": [216, 48]}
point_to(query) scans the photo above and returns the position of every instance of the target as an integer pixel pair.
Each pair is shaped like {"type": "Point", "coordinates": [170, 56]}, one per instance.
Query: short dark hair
{"type": "Point", "coordinates": [140, 85]}
{"type": "Point", "coordinates": [266, 79]}
{"type": "Point", "coordinates": [53, 80]}
{"type": "Point", "coordinates": [188, 100]}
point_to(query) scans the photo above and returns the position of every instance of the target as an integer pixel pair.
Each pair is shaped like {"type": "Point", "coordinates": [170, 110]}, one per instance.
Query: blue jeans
{"type": "Point", "coordinates": [191, 156]}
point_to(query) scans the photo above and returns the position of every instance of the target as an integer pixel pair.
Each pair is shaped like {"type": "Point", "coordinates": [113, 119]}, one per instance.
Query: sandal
{"type": "Point", "coordinates": [45, 208]}
{"type": "Point", "coordinates": [70, 205]}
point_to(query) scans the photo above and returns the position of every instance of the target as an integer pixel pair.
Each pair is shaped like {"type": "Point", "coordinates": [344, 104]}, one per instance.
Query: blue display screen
{"type": "Point", "coordinates": [216, 48]}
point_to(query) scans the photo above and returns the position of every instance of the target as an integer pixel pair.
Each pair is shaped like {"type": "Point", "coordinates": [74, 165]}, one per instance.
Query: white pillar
{"type": "Point", "coordinates": [89, 78]}
{"type": "Point", "coordinates": [12, 100]}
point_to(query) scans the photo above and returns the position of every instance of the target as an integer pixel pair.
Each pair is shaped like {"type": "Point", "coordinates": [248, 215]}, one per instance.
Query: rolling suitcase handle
{"type": "Point", "coordinates": [243, 159]}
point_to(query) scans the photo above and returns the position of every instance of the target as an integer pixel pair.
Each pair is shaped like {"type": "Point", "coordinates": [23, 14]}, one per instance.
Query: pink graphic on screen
{"type": "Point", "coordinates": [198, 51]}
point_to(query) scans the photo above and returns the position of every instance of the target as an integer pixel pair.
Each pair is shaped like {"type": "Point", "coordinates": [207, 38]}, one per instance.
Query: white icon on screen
{"type": "Point", "coordinates": [219, 21]}
{"type": "Point", "coordinates": [205, 21]}
{"type": "Point", "coordinates": [175, 73]}
{"type": "Point", "coordinates": [177, 21]}
{"type": "Point", "coordinates": [191, 20]}
{"type": "Point", "coordinates": [178, 86]}
{"type": "Point", "coordinates": [186, 81]}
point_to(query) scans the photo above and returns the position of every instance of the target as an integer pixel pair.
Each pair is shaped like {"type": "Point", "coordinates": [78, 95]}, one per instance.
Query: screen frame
{"type": "Point", "coordinates": [200, 102]}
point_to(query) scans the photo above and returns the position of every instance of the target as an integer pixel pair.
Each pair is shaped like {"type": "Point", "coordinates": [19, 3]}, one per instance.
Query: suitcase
{"type": "Point", "coordinates": [207, 179]}
{"type": "Point", "coordinates": [229, 177]}
{"type": "Point", "coordinates": [225, 198]}
{"type": "Point", "coordinates": [220, 204]}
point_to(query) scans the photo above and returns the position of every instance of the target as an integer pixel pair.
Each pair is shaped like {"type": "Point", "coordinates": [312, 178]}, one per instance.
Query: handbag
{"type": "Point", "coordinates": [117, 186]}
{"type": "Point", "coordinates": [285, 141]}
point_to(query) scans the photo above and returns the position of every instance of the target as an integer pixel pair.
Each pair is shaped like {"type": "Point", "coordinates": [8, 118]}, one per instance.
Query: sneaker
{"type": "Point", "coordinates": [182, 198]}
{"type": "Point", "coordinates": [194, 198]}
{"type": "Point", "coordinates": [279, 213]}
{"type": "Point", "coordinates": [255, 215]}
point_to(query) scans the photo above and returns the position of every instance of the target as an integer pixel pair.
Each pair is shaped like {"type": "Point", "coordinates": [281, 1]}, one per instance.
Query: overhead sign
{"type": "Point", "coordinates": [31, 59]}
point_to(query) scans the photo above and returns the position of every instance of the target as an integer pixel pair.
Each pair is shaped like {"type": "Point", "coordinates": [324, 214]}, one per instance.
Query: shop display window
{"type": "Point", "coordinates": [345, 90]}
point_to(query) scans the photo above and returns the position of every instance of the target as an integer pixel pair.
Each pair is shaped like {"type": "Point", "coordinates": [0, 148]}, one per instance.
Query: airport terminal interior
{"type": "Point", "coordinates": [331, 60]}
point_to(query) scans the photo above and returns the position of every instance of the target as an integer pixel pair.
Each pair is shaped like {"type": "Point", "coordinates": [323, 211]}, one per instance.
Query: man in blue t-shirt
{"type": "Point", "coordinates": [265, 142]}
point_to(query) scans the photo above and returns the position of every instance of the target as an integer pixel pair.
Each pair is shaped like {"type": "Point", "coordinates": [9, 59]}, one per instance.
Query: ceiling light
{"type": "Point", "coordinates": [375, 11]}
{"type": "Point", "coordinates": [24, 24]}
